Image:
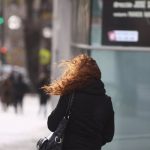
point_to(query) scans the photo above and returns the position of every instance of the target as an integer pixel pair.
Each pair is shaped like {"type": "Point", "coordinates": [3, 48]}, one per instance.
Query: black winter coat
{"type": "Point", "coordinates": [91, 124]}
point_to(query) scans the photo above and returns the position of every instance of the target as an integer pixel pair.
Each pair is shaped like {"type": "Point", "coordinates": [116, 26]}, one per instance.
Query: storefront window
{"type": "Point", "coordinates": [126, 76]}
{"type": "Point", "coordinates": [81, 21]}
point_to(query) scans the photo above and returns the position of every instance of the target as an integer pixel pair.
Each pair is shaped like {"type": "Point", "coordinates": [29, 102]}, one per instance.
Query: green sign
{"type": "Point", "coordinates": [1, 20]}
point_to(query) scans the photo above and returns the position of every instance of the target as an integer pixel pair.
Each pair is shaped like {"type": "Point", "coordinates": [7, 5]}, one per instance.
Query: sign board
{"type": "Point", "coordinates": [126, 23]}
{"type": "Point", "coordinates": [44, 56]}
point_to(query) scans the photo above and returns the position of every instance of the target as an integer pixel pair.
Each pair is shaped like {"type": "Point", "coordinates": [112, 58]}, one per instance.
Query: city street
{"type": "Point", "coordinates": [22, 131]}
{"type": "Point", "coordinates": [70, 45]}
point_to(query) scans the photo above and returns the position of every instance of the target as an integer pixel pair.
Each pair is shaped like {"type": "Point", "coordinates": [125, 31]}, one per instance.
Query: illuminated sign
{"type": "Point", "coordinates": [126, 23]}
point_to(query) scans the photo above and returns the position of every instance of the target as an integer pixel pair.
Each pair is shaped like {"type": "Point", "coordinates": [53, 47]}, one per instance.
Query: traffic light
{"type": "Point", "coordinates": [1, 20]}
{"type": "Point", "coordinates": [3, 51]}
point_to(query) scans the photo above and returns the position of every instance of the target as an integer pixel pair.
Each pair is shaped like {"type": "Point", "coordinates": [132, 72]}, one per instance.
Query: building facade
{"type": "Point", "coordinates": [125, 70]}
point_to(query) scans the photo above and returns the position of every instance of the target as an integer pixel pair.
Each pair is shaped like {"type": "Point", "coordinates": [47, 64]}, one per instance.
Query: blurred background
{"type": "Point", "coordinates": [35, 35]}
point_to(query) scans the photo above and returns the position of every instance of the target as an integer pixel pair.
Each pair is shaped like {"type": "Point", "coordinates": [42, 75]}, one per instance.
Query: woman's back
{"type": "Point", "coordinates": [91, 123]}
{"type": "Point", "coordinates": [91, 112]}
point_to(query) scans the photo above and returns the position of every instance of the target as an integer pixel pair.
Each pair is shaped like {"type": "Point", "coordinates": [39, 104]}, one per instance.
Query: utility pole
{"type": "Point", "coordinates": [2, 55]}
{"type": "Point", "coordinates": [1, 23]}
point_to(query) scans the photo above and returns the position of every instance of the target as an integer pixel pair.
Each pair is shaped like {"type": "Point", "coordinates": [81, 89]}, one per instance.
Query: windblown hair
{"type": "Point", "coordinates": [78, 72]}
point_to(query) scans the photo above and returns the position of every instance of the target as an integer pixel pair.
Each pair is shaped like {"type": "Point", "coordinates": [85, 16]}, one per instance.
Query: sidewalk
{"type": "Point", "coordinates": [22, 131]}
{"type": "Point", "coordinates": [27, 143]}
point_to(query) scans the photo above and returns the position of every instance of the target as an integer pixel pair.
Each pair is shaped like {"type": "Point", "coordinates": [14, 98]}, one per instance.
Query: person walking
{"type": "Point", "coordinates": [42, 96]}
{"type": "Point", "coordinates": [6, 93]}
{"type": "Point", "coordinates": [91, 124]}
{"type": "Point", "coordinates": [21, 88]}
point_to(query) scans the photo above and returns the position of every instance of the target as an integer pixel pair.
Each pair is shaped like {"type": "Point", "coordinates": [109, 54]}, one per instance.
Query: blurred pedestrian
{"type": "Point", "coordinates": [20, 89]}
{"type": "Point", "coordinates": [6, 93]}
{"type": "Point", "coordinates": [43, 97]}
{"type": "Point", "coordinates": [91, 124]}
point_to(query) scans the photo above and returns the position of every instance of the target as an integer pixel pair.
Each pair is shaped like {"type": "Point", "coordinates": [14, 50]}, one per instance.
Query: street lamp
{"type": "Point", "coordinates": [14, 22]}
{"type": "Point", "coordinates": [47, 32]}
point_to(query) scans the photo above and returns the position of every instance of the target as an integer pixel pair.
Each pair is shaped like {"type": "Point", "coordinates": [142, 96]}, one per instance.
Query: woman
{"type": "Point", "coordinates": [91, 124]}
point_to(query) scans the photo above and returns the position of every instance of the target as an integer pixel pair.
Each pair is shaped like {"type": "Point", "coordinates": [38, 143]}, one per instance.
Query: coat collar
{"type": "Point", "coordinates": [94, 87]}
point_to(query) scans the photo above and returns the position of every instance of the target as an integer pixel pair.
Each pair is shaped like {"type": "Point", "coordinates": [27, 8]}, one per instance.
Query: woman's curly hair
{"type": "Point", "coordinates": [78, 72]}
